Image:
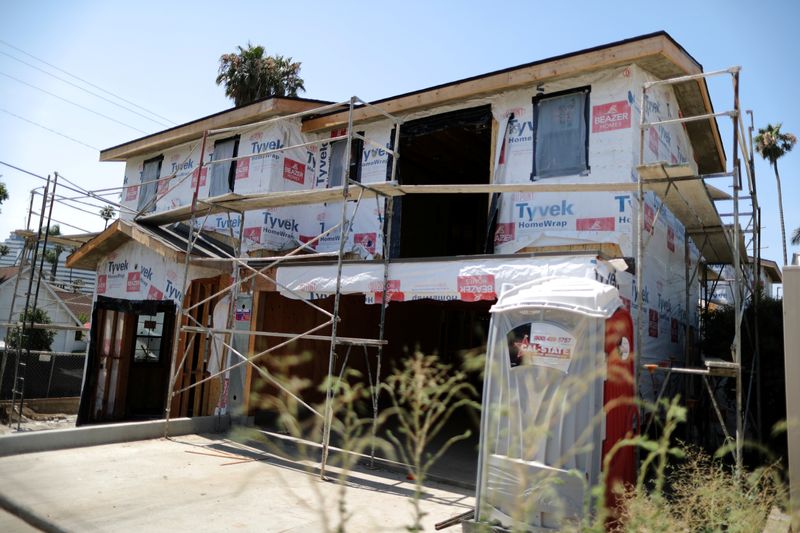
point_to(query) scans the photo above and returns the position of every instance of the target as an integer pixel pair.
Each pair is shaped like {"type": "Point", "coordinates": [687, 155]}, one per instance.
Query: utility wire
{"type": "Point", "coordinates": [86, 90]}
{"type": "Point", "coordinates": [90, 110]}
{"type": "Point", "coordinates": [86, 82]}
{"type": "Point", "coordinates": [50, 130]}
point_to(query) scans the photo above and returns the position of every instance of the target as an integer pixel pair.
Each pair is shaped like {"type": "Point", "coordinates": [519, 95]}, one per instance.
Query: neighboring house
{"type": "Point", "coordinates": [63, 308]}
{"type": "Point", "coordinates": [47, 375]}
{"type": "Point", "coordinates": [770, 277]}
{"type": "Point", "coordinates": [562, 123]}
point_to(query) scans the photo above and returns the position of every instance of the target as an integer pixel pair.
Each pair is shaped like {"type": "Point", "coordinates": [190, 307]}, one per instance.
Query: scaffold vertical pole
{"type": "Point", "coordinates": [344, 230]}
{"type": "Point", "coordinates": [173, 372]}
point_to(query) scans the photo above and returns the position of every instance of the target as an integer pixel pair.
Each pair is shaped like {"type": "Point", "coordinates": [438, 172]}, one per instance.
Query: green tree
{"type": "Point", "coordinates": [107, 213]}
{"type": "Point", "coordinates": [35, 339]}
{"type": "Point", "coordinates": [3, 192]}
{"type": "Point", "coordinates": [4, 250]}
{"type": "Point", "coordinates": [52, 255]}
{"type": "Point", "coordinates": [772, 144]}
{"type": "Point", "coordinates": [249, 75]}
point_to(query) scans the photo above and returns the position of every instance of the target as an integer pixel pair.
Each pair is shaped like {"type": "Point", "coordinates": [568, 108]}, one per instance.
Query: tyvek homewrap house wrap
{"type": "Point", "coordinates": [567, 123]}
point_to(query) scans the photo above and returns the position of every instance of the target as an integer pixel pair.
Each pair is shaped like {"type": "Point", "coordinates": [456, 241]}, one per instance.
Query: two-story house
{"type": "Point", "coordinates": [500, 178]}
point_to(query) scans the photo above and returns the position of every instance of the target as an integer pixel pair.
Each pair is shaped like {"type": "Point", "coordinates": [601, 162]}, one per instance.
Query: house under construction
{"type": "Point", "coordinates": [360, 231]}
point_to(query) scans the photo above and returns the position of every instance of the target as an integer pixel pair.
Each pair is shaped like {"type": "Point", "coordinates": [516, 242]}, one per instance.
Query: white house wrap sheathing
{"type": "Point", "coordinates": [135, 272]}
{"type": "Point", "coordinates": [469, 280]}
{"type": "Point", "coordinates": [524, 219]}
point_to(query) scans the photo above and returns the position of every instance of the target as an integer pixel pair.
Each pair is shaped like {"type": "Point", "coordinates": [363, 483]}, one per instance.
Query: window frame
{"type": "Point", "coordinates": [535, 101]}
{"type": "Point", "coordinates": [356, 156]}
{"type": "Point", "coordinates": [232, 163]}
{"type": "Point", "coordinates": [149, 204]}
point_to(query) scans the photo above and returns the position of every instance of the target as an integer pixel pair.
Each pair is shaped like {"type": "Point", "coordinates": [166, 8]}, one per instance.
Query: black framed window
{"type": "Point", "coordinates": [149, 330]}
{"type": "Point", "coordinates": [223, 174]}
{"type": "Point", "coordinates": [338, 160]}
{"type": "Point", "coordinates": [151, 170]}
{"type": "Point", "coordinates": [561, 133]}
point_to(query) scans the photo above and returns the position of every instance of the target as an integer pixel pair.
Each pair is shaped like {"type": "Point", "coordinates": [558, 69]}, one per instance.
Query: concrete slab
{"type": "Point", "coordinates": [206, 483]}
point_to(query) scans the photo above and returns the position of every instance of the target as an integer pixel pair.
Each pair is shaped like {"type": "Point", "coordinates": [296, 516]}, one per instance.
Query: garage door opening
{"type": "Point", "coordinates": [452, 330]}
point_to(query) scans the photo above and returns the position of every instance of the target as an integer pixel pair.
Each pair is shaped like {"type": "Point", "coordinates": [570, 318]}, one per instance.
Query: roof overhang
{"type": "Point", "coordinates": [260, 110]}
{"type": "Point", "coordinates": [73, 241]}
{"type": "Point", "coordinates": [117, 234]}
{"type": "Point", "coordinates": [656, 53]}
{"type": "Point", "coordinates": [771, 270]}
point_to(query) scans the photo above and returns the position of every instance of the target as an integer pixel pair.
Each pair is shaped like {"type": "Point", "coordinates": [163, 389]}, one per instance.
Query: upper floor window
{"type": "Point", "coordinates": [151, 170]}
{"type": "Point", "coordinates": [223, 174]}
{"type": "Point", "coordinates": [338, 159]}
{"type": "Point", "coordinates": [561, 133]}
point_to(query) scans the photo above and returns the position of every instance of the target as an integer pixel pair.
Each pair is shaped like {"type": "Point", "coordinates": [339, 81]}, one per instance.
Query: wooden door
{"type": "Point", "coordinates": [111, 365]}
{"type": "Point", "coordinates": [199, 400]}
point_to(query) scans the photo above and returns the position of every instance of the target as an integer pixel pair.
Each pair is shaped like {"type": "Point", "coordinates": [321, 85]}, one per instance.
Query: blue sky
{"type": "Point", "coordinates": [163, 56]}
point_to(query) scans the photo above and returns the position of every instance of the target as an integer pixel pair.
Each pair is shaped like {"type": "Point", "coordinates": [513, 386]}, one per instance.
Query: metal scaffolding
{"type": "Point", "coordinates": [719, 242]}
{"type": "Point", "coordinates": [33, 252]}
{"type": "Point", "coordinates": [680, 189]}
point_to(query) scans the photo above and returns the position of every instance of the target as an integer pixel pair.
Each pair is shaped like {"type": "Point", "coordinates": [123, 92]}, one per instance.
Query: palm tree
{"type": "Point", "coordinates": [107, 213]}
{"type": "Point", "coordinates": [772, 145]}
{"type": "Point", "coordinates": [3, 191]}
{"type": "Point", "coordinates": [248, 75]}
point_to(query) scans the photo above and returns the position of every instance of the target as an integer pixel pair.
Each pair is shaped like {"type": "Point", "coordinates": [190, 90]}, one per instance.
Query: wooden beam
{"type": "Point", "coordinates": [525, 76]}
{"type": "Point", "coordinates": [194, 130]}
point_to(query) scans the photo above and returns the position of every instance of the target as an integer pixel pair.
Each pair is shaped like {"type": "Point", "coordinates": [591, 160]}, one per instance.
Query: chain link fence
{"type": "Point", "coordinates": [49, 374]}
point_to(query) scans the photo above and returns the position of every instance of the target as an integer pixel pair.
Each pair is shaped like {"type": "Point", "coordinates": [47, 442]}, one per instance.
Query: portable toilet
{"type": "Point", "coordinates": [558, 390]}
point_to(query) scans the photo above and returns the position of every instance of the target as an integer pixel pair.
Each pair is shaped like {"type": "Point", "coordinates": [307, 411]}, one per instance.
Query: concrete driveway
{"type": "Point", "coordinates": [205, 483]}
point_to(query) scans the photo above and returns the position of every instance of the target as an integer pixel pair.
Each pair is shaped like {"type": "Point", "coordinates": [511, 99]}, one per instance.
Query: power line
{"type": "Point", "coordinates": [85, 90]}
{"type": "Point", "coordinates": [71, 102]}
{"type": "Point", "coordinates": [86, 82]}
{"type": "Point", "coordinates": [50, 130]}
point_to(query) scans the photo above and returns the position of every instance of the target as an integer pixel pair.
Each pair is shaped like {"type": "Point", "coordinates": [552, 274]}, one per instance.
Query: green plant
{"type": "Point", "coordinates": [425, 393]}
{"type": "Point", "coordinates": [773, 144]}
{"type": "Point", "coordinates": [33, 339]}
{"type": "Point", "coordinates": [249, 75]}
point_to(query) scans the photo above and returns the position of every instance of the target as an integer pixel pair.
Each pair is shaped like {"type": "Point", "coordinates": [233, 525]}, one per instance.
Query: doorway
{"type": "Point", "coordinates": [127, 370]}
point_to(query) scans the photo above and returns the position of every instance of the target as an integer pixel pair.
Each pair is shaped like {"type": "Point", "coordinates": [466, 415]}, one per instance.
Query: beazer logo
{"type": "Point", "coordinates": [154, 294]}
{"type": "Point", "coordinates": [294, 171]}
{"type": "Point", "coordinates": [132, 193]}
{"type": "Point", "coordinates": [504, 232]}
{"type": "Point", "coordinates": [242, 169]}
{"type": "Point", "coordinates": [670, 239]}
{"type": "Point", "coordinates": [652, 330]}
{"type": "Point", "coordinates": [134, 281]}
{"type": "Point", "coordinates": [649, 217]}
{"type": "Point", "coordinates": [203, 173]}
{"type": "Point", "coordinates": [102, 284]}
{"type": "Point", "coordinates": [612, 116]}
{"type": "Point", "coordinates": [366, 241]}
{"type": "Point", "coordinates": [595, 224]}
{"type": "Point", "coordinates": [476, 288]}
{"type": "Point", "coordinates": [393, 292]}
{"type": "Point", "coordinates": [253, 234]}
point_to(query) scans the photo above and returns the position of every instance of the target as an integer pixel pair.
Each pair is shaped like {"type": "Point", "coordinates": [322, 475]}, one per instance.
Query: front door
{"type": "Point", "coordinates": [127, 371]}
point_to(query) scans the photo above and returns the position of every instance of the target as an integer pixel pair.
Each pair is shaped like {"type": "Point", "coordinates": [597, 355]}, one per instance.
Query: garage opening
{"type": "Point", "coordinates": [449, 148]}
{"type": "Point", "coordinates": [453, 330]}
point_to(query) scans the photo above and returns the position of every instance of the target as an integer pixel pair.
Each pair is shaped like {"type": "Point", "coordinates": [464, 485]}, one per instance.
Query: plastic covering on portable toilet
{"type": "Point", "coordinates": [542, 425]}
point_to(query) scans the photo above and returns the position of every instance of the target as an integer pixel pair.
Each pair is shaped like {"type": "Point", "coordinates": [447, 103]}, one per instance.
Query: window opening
{"type": "Point", "coordinates": [223, 174]}
{"type": "Point", "coordinates": [151, 170]}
